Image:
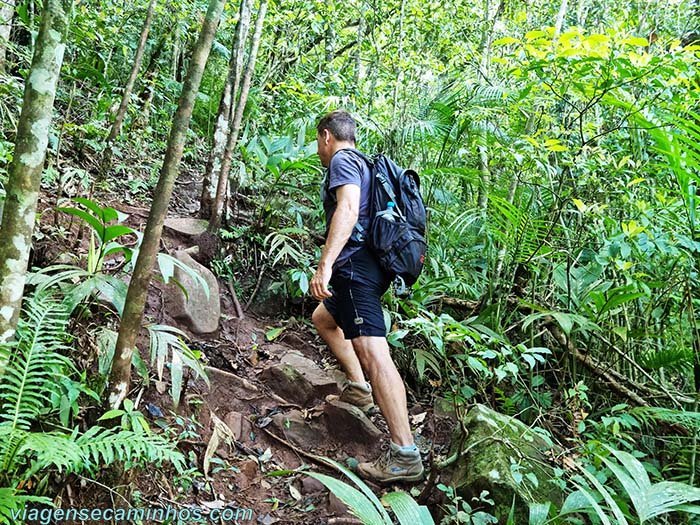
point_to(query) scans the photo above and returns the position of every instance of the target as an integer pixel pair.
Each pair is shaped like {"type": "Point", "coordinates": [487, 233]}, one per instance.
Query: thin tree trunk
{"type": "Point", "coordinates": [561, 15]}
{"type": "Point", "coordinates": [581, 13]}
{"type": "Point", "coordinates": [7, 12]}
{"type": "Point", "coordinates": [485, 48]}
{"type": "Point", "coordinates": [126, 97]}
{"type": "Point", "coordinates": [148, 82]}
{"type": "Point", "coordinates": [141, 278]}
{"type": "Point", "coordinates": [330, 42]}
{"type": "Point", "coordinates": [176, 51]}
{"type": "Point", "coordinates": [30, 152]}
{"type": "Point", "coordinates": [223, 120]}
{"type": "Point", "coordinates": [359, 70]}
{"type": "Point", "coordinates": [232, 141]}
{"type": "Point", "coordinates": [399, 73]}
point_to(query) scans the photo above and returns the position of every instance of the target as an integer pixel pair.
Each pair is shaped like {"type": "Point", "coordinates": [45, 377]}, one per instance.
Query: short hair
{"type": "Point", "coordinates": [340, 124]}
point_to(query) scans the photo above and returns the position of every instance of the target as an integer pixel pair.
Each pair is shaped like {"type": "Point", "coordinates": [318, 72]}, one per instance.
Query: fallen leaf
{"type": "Point", "coordinates": [216, 504]}
{"type": "Point", "coordinates": [266, 456]}
{"type": "Point", "coordinates": [221, 431]}
{"type": "Point", "coordinates": [418, 418]}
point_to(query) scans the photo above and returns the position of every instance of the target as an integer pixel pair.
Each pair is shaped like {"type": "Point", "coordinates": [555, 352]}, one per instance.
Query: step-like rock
{"type": "Point", "coordinates": [299, 379]}
{"type": "Point", "coordinates": [198, 311]}
{"type": "Point", "coordinates": [186, 226]}
{"type": "Point", "coordinates": [306, 433]}
{"type": "Point", "coordinates": [346, 422]}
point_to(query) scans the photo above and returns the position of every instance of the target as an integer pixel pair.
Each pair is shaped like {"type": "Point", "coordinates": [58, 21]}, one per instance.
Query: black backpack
{"type": "Point", "coordinates": [397, 239]}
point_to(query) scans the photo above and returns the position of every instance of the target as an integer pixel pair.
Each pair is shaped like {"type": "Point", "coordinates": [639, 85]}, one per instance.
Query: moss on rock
{"type": "Point", "coordinates": [506, 458]}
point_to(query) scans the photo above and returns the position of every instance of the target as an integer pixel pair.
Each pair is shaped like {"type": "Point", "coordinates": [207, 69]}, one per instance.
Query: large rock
{"type": "Point", "coordinates": [299, 379]}
{"type": "Point", "coordinates": [186, 226]}
{"type": "Point", "coordinates": [347, 422]}
{"type": "Point", "coordinates": [307, 433]}
{"type": "Point", "coordinates": [501, 449]}
{"type": "Point", "coordinates": [200, 313]}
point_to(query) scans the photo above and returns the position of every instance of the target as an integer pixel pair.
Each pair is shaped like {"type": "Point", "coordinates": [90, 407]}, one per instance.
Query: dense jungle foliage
{"type": "Point", "coordinates": [558, 145]}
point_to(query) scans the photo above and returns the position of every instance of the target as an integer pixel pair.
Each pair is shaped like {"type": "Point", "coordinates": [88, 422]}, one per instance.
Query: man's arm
{"type": "Point", "coordinates": [342, 224]}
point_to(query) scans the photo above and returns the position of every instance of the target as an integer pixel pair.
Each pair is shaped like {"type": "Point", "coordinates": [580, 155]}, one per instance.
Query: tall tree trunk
{"type": "Point", "coordinates": [140, 280]}
{"type": "Point", "coordinates": [561, 15]}
{"type": "Point", "coordinates": [399, 57]}
{"type": "Point", "coordinates": [148, 83]}
{"type": "Point", "coordinates": [126, 97]}
{"type": "Point", "coordinates": [330, 42]}
{"type": "Point", "coordinates": [359, 70]}
{"type": "Point", "coordinates": [485, 48]}
{"type": "Point", "coordinates": [175, 59]}
{"type": "Point", "coordinates": [22, 188]}
{"type": "Point", "coordinates": [581, 13]}
{"type": "Point", "coordinates": [7, 12]}
{"type": "Point", "coordinates": [232, 140]}
{"type": "Point", "coordinates": [223, 120]}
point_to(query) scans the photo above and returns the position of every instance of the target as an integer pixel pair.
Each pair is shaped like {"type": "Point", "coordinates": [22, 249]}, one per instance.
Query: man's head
{"type": "Point", "coordinates": [334, 131]}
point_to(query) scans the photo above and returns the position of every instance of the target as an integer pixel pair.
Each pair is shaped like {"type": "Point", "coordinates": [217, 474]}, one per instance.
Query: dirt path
{"type": "Point", "coordinates": [265, 384]}
{"type": "Point", "coordinates": [265, 403]}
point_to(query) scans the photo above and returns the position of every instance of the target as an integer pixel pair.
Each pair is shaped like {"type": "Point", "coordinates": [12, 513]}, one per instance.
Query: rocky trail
{"type": "Point", "coordinates": [264, 412]}
{"type": "Point", "coordinates": [262, 419]}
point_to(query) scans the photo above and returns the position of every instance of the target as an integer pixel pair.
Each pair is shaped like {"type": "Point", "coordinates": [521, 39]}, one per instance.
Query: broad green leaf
{"type": "Point", "coordinates": [539, 512]}
{"type": "Point", "coordinates": [114, 231]}
{"type": "Point", "coordinates": [94, 223]}
{"type": "Point", "coordinates": [363, 488]}
{"type": "Point", "coordinates": [636, 41]}
{"type": "Point", "coordinates": [358, 503]}
{"type": "Point", "coordinates": [111, 414]}
{"type": "Point", "coordinates": [406, 509]}
{"type": "Point", "coordinates": [274, 333]}
{"type": "Point", "coordinates": [176, 377]}
{"type": "Point", "coordinates": [609, 500]}
{"type": "Point", "coordinates": [506, 40]}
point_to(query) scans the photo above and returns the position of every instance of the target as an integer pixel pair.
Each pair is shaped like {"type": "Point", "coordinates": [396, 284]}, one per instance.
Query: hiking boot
{"type": "Point", "coordinates": [393, 465]}
{"type": "Point", "coordinates": [355, 394]}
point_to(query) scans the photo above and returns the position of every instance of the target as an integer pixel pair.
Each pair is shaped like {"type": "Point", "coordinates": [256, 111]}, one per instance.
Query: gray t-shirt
{"type": "Point", "coordinates": [346, 167]}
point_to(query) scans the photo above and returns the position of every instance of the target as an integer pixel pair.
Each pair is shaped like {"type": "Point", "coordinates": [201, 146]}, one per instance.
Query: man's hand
{"type": "Point", "coordinates": [319, 283]}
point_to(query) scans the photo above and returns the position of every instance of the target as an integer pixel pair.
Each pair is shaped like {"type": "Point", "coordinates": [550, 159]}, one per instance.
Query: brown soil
{"type": "Point", "coordinates": [256, 472]}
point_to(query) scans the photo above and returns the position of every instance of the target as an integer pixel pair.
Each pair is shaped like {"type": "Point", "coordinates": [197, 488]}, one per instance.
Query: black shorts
{"type": "Point", "coordinates": [357, 287]}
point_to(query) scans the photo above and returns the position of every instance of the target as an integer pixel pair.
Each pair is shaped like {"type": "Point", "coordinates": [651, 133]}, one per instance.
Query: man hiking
{"type": "Point", "coordinates": [350, 319]}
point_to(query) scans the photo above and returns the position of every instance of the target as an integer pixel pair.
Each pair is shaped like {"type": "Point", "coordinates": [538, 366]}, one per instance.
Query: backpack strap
{"type": "Point", "coordinates": [376, 173]}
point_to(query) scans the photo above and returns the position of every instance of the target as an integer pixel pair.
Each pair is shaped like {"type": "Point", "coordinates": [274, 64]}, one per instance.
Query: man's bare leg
{"type": "Point", "coordinates": [341, 347]}
{"type": "Point", "coordinates": [387, 385]}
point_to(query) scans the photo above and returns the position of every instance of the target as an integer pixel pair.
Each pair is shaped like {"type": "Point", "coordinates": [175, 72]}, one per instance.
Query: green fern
{"type": "Point", "coordinates": [655, 415]}
{"type": "Point", "coordinates": [31, 377]}
{"type": "Point", "coordinates": [677, 359]}
{"type": "Point", "coordinates": [521, 233]}
{"type": "Point", "coordinates": [12, 501]}
{"type": "Point", "coordinates": [34, 364]}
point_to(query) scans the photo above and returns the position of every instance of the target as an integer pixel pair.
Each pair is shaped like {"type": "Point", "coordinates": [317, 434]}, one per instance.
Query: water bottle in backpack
{"type": "Point", "coordinates": [389, 213]}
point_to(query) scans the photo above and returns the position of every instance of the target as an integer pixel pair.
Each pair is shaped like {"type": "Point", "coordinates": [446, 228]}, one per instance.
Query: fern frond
{"type": "Point", "coordinates": [521, 233]}
{"type": "Point", "coordinates": [12, 501]}
{"type": "Point", "coordinates": [104, 446]}
{"type": "Point", "coordinates": [35, 366]}
{"type": "Point", "coordinates": [490, 96]}
{"type": "Point", "coordinates": [51, 449]}
{"type": "Point", "coordinates": [678, 359]}
{"type": "Point", "coordinates": [654, 415]}
{"type": "Point", "coordinates": [11, 440]}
